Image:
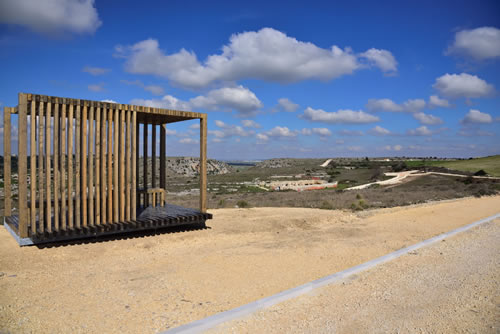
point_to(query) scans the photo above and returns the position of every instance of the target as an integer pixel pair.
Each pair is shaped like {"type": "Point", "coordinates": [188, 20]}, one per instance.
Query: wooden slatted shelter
{"type": "Point", "coordinates": [84, 169]}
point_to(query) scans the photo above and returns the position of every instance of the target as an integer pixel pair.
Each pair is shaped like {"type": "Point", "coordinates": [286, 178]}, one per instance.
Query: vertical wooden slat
{"type": "Point", "coordinates": [56, 165]}
{"type": "Point", "coordinates": [122, 164]}
{"type": "Point", "coordinates": [78, 148]}
{"type": "Point", "coordinates": [48, 197]}
{"type": "Point", "coordinates": [7, 163]}
{"type": "Point", "coordinates": [32, 166]}
{"type": "Point", "coordinates": [127, 167]}
{"type": "Point", "coordinates": [64, 193]}
{"type": "Point", "coordinates": [84, 191]}
{"type": "Point", "coordinates": [153, 156]}
{"type": "Point", "coordinates": [103, 165]}
{"type": "Point", "coordinates": [41, 154]}
{"type": "Point", "coordinates": [116, 194]}
{"type": "Point", "coordinates": [163, 170]}
{"type": "Point", "coordinates": [135, 155]}
{"type": "Point", "coordinates": [91, 167]}
{"type": "Point", "coordinates": [110, 166]}
{"type": "Point", "coordinates": [22, 165]}
{"type": "Point", "coordinates": [145, 160]}
{"type": "Point", "coordinates": [98, 166]}
{"type": "Point", "coordinates": [71, 212]}
{"type": "Point", "coordinates": [203, 164]}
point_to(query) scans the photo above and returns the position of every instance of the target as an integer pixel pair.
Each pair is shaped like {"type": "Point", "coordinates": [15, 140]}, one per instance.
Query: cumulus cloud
{"type": "Point", "coordinates": [229, 130]}
{"type": "Point", "coordinates": [462, 85]}
{"type": "Point", "coordinates": [393, 148]}
{"type": "Point", "coordinates": [51, 17]}
{"type": "Point", "coordinates": [427, 119]}
{"type": "Point", "coordinates": [383, 105]}
{"type": "Point", "coordinates": [188, 141]}
{"type": "Point", "coordinates": [379, 131]}
{"type": "Point", "coordinates": [96, 87]}
{"type": "Point", "coordinates": [281, 131]}
{"type": "Point", "coordinates": [351, 133]}
{"type": "Point", "coordinates": [475, 133]}
{"type": "Point", "coordinates": [437, 102]}
{"type": "Point", "coordinates": [343, 116]}
{"type": "Point", "coordinates": [383, 59]}
{"type": "Point", "coordinates": [248, 123]}
{"type": "Point", "coordinates": [153, 89]}
{"type": "Point", "coordinates": [285, 104]}
{"type": "Point", "coordinates": [262, 137]}
{"type": "Point", "coordinates": [420, 131]}
{"type": "Point", "coordinates": [475, 116]}
{"type": "Point", "coordinates": [95, 70]}
{"type": "Point", "coordinates": [267, 54]}
{"type": "Point", "coordinates": [237, 98]}
{"type": "Point", "coordinates": [109, 101]}
{"type": "Point", "coordinates": [322, 132]}
{"type": "Point", "coordinates": [479, 44]}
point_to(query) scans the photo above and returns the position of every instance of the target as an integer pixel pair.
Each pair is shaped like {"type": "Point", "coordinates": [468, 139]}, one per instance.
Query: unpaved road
{"type": "Point", "coordinates": [150, 284]}
{"type": "Point", "coordinates": [449, 287]}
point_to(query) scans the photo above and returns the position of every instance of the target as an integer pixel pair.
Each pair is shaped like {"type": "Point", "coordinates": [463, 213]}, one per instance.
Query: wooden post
{"type": "Point", "coordinates": [163, 168]}
{"type": "Point", "coordinates": [70, 168]}
{"type": "Point", "coordinates": [41, 155]}
{"type": "Point", "coordinates": [78, 151]}
{"type": "Point", "coordinates": [22, 165]}
{"type": "Point", "coordinates": [203, 164]}
{"type": "Point", "coordinates": [83, 176]}
{"type": "Point", "coordinates": [103, 166]}
{"type": "Point", "coordinates": [135, 155]}
{"type": "Point", "coordinates": [33, 198]}
{"type": "Point", "coordinates": [145, 161]}
{"type": "Point", "coordinates": [91, 166]}
{"type": "Point", "coordinates": [110, 166]}
{"type": "Point", "coordinates": [48, 198]}
{"type": "Point", "coordinates": [64, 152]}
{"type": "Point", "coordinates": [7, 163]}
{"type": "Point", "coordinates": [56, 165]}
{"type": "Point", "coordinates": [153, 156]}
{"type": "Point", "coordinates": [98, 166]}
{"type": "Point", "coordinates": [121, 152]}
{"type": "Point", "coordinates": [127, 167]}
{"type": "Point", "coordinates": [116, 194]}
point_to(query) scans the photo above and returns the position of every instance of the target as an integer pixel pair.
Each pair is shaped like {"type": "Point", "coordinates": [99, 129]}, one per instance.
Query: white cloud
{"type": "Point", "coordinates": [479, 44]}
{"type": "Point", "coordinates": [351, 133]}
{"type": "Point", "coordinates": [51, 16]}
{"type": "Point", "coordinates": [414, 105]}
{"type": "Point", "coordinates": [109, 101]}
{"type": "Point", "coordinates": [279, 131]}
{"type": "Point", "coordinates": [383, 105]}
{"type": "Point", "coordinates": [420, 131]}
{"type": "Point", "coordinates": [248, 123]}
{"type": "Point", "coordinates": [262, 137]}
{"type": "Point", "coordinates": [95, 70]}
{"type": "Point", "coordinates": [267, 54]}
{"type": "Point", "coordinates": [195, 126]}
{"type": "Point", "coordinates": [462, 85]}
{"type": "Point", "coordinates": [383, 59]}
{"type": "Point", "coordinates": [475, 133]}
{"type": "Point", "coordinates": [229, 130]}
{"type": "Point", "coordinates": [153, 89]}
{"type": "Point", "coordinates": [323, 132]}
{"type": "Point", "coordinates": [355, 148]}
{"type": "Point", "coordinates": [475, 116]}
{"type": "Point", "coordinates": [96, 87]}
{"type": "Point", "coordinates": [238, 98]}
{"type": "Point", "coordinates": [393, 148]}
{"type": "Point", "coordinates": [427, 119]}
{"type": "Point", "coordinates": [343, 116]}
{"type": "Point", "coordinates": [285, 104]}
{"type": "Point", "coordinates": [188, 141]}
{"type": "Point", "coordinates": [379, 131]}
{"type": "Point", "coordinates": [436, 101]}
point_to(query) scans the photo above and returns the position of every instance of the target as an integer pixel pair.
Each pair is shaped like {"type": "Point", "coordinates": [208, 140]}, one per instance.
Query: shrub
{"type": "Point", "coordinates": [222, 202]}
{"type": "Point", "coordinates": [242, 204]}
{"type": "Point", "coordinates": [326, 206]}
{"type": "Point", "coordinates": [480, 172]}
{"type": "Point", "coordinates": [358, 196]}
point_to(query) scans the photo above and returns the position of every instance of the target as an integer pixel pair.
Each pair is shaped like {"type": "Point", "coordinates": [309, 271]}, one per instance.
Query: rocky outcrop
{"type": "Point", "coordinates": [189, 166]}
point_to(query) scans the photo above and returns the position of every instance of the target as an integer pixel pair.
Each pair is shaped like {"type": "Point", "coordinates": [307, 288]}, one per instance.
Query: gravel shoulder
{"type": "Point", "coordinates": [157, 282]}
{"type": "Point", "coordinates": [449, 287]}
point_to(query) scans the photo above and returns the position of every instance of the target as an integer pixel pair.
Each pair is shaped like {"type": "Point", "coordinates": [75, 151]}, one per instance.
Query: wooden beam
{"type": "Point", "coordinates": [22, 166]}
{"type": "Point", "coordinates": [33, 196]}
{"type": "Point", "coordinates": [84, 174]}
{"type": "Point", "coordinates": [98, 166]}
{"type": "Point", "coordinates": [203, 164]}
{"type": "Point", "coordinates": [128, 182]}
{"type": "Point", "coordinates": [41, 156]}
{"type": "Point", "coordinates": [116, 217]}
{"type": "Point", "coordinates": [163, 170]}
{"type": "Point", "coordinates": [64, 152]}
{"type": "Point", "coordinates": [103, 167]}
{"type": "Point", "coordinates": [56, 165]}
{"type": "Point", "coordinates": [7, 162]}
{"type": "Point", "coordinates": [145, 160]}
{"type": "Point", "coordinates": [153, 156]}
{"type": "Point", "coordinates": [91, 167]}
{"type": "Point", "coordinates": [71, 212]}
{"type": "Point", "coordinates": [135, 155]}
{"type": "Point", "coordinates": [78, 151]}
{"type": "Point", "coordinates": [121, 152]}
{"type": "Point", "coordinates": [109, 217]}
{"type": "Point", "coordinates": [48, 197]}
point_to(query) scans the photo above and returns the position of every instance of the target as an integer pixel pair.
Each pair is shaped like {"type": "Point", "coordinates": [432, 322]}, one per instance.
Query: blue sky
{"type": "Point", "coordinates": [277, 79]}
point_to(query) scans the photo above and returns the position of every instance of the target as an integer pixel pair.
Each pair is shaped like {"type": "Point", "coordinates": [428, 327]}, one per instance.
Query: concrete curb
{"type": "Point", "coordinates": [244, 310]}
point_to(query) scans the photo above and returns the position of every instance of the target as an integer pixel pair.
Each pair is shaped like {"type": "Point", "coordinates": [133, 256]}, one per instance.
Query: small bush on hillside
{"type": "Point", "coordinates": [242, 204]}
{"type": "Point", "coordinates": [358, 196]}
{"type": "Point", "coordinates": [326, 206]}
{"type": "Point", "coordinates": [480, 172]}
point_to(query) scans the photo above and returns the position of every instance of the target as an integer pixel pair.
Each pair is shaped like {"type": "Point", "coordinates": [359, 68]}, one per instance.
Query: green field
{"type": "Point", "coordinates": [490, 165]}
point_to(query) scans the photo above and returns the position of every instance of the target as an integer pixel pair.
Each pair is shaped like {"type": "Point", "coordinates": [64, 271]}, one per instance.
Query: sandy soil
{"type": "Point", "coordinates": [449, 287]}
{"type": "Point", "coordinates": [158, 282]}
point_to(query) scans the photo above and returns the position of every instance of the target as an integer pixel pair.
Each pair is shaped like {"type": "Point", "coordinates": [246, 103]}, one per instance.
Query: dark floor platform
{"type": "Point", "coordinates": [150, 218]}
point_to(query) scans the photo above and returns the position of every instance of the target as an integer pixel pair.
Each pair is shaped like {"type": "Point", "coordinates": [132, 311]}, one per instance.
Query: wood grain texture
{"type": "Point", "coordinates": [7, 162]}
{"type": "Point", "coordinates": [56, 165]}
{"type": "Point", "coordinates": [153, 156]}
{"type": "Point", "coordinates": [83, 175]}
{"type": "Point", "coordinates": [145, 159]}
{"type": "Point", "coordinates": [33, 172]}
{"type": "Point", "coordinates": [98, 166]}
{"type": "Point", "coordinates": [128, 164]}
{"type": "Point", "coordinates": [135, 154]}
{"type": "Point", "coordinates": [64, 153]}
{"type": "Point", "coordinates": [90, 167]}
{"type": "Point", "coordinates": [48, 196]}
{"type": "Point", "coordinates": [103, 166]}
{"type": "Point", "coordinates": [163, 169]}
{"type": "Point", "coordinates": [71, 212]}
{"type": "Point", "coordinates": [121, 152]}
{"type": "Point", "coordinates": [109, 191]}
{"type": "Point", "coordinates": [116, 194]}
{"type": "Point", "coordinates": [22, 165]}
{"type": "Point", "coordinates": [78, 152]}
{"type": "Point", "coordinates": [203, 164]}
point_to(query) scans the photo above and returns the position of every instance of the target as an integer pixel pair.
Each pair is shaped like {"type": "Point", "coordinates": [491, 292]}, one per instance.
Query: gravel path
{"type": "Point", "coordinates": [449, 287]}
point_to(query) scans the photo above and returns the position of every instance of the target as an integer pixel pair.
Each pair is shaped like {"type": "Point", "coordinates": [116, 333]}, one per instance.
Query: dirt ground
{"type": "Point", "coordinates": [157, 282]}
